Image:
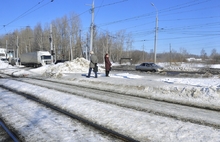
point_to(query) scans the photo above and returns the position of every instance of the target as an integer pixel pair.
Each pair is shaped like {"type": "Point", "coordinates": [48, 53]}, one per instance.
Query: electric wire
{"type": "Point", "coordinates": [171, 11]}
{"type": "Point", "coordinates": [30, 10]}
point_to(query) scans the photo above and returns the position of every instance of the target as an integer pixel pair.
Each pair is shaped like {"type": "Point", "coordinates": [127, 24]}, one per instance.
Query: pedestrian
{"type": "Point", "coordinates": [107, 65]}
{"type": "Point", "coordinates": [93, 64]}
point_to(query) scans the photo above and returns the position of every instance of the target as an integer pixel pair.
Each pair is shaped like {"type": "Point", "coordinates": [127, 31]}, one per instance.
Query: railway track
{"type": "Point", "coordinates": [109, 135]}
{"type": "Point", "coordinates": [182, 112]}
{"type": "Point", "coordinates": [6, 135]}
{"type": "Point", "coordinates": [114, 135]}
{"type": "Point", "coordinates": [204, 116]}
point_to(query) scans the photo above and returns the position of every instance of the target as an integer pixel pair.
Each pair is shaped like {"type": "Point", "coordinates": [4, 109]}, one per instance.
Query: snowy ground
{"type": "Point", "coordinates": [200, 90]}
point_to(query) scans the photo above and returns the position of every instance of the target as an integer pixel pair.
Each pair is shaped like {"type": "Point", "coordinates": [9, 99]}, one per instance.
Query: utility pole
{"type": "Point", "coordinates": [6, 48]}
{"type": "Point", "coordinates": [170, 55]}
{"type": "Point", "coordinates": [17, 51]}
{"type": "Point", "coordinates": [51, 43]}
{"type": "Point", "coordinates": [6, 45]}
{"type": "Point", "coordinates": [80, 42]}
{"type": "Point", "coordinates": [87, 47]}
{"type": "Point", "coordinates": [143, 53]}
{"type": "Point", "coordinates": [92, 26]}
{"type": "Point", "coordinates": [71, 51]}
{"type": "Point", "coordinates": [107, 45]}
{"type": "Point", "coordinates": [155, 38]}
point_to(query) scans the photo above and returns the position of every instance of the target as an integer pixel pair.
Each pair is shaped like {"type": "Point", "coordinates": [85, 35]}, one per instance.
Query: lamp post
{"type": "Point", "coordinates": [155, 38]}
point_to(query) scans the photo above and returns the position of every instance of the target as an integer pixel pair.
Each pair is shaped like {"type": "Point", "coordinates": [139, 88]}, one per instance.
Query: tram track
{"type": "Point", "coordinates": [108, 92]}
{"type": "Point", "coordinates": [109, 132]}
{"type": "Point", "coordinates": [6, 134]}
{"type": "Point", "coordinates": [201, 115]}
{"type": "Point", "coordinates": [163, 108]}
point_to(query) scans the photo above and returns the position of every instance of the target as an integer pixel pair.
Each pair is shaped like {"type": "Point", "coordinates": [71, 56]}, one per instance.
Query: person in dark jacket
{"type": "Point", "coordinates": [107, 65]}
{"type": "Point", "coordinates": [93, 64]}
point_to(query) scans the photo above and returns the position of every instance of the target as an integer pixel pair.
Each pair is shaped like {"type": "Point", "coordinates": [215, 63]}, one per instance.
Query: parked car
{"type": "Point", "coordinates": [149, 67]}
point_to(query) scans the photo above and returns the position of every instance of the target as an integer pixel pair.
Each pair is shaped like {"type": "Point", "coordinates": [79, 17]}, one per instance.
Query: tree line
{"type": "Point", "coordinates": [67, 38]}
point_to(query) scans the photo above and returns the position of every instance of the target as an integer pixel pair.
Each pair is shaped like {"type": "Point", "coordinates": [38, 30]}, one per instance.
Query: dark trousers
{"type": "Point", "coordinates": [107, 73]}
{"type": "Point", "coordinates": [90, 70]}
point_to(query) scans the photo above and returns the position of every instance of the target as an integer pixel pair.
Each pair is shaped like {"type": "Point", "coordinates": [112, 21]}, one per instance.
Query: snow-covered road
{"type": "Point", "coordinates": [33, 122]}
{"type": "Point", "coordinates": [140, 125]}
{"type": "Point", "coordinates": [203, 91]}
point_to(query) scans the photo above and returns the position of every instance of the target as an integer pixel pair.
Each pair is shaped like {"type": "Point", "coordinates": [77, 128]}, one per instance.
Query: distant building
{"type": "Point", "coordinates": [194, 60]}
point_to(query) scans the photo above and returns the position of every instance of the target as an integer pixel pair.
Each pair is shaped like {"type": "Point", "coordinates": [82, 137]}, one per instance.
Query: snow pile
{"type": "Point", "coordinates": [79, 65]}
{"type": "Point", "coordinates": [199, 91]}
{"type": "Point", "coordinates": [5, 65]}
{"type": "Point", "coordinates": [179, 66]}
{"type": "Point", "coordinates": [217, 66]}
{"type": "Point", "coordinates": [126, 75]}
{"type": "Point", "coordinates": [204, 92]}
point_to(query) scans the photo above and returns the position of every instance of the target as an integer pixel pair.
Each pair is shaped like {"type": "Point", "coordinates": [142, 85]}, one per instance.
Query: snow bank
{"type": "Point", "coordinates": [181, 66]}
{"type": "Point", "coordinates": [203, 90]}
{"type": "Point", "coordinates": [79, 65]}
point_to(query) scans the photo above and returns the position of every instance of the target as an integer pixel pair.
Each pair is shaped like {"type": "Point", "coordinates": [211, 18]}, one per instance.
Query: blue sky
{"type": "Point", "coordinates": [192, 25]}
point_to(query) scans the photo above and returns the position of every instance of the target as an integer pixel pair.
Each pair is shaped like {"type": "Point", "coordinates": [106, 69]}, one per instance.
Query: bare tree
{"type": "Point", "coordinates": [136, 56]}
{"type": "Point", "coordinates": [112, 44]}
{"type": "Point", "coordinates": [203, 54]}
{"type": "Point", "coordinates": [215, 56]}
{"type": "Point", "coordinates": [75, 33]}
{"type": "Point", "coordinates": [38, 38]}
{"type": "Point", "coordinates": [214, 52]}
{"type": "Point", "coordinates": [183, 54]}
{"type": "Point", "coordinates": [66, 37]}
{"type": "Point", "coordinates": [25, 40]}
{"type": "Point", "coordinates": [118, 45]}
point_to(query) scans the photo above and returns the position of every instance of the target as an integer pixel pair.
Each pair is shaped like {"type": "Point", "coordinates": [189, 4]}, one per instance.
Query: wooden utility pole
{"type": "Point", "coordinates": [71, 50]}
{"type": "Point", "coordinates": [143, 53]}
{"type": "Point", "coordinates": [17, 51]}
{"type": "Point", "coordinates": [170, 55]}
{"type": "Point", "coordinates": [92, 27]}
{"type": "Point", "coordinates": [51, 43]}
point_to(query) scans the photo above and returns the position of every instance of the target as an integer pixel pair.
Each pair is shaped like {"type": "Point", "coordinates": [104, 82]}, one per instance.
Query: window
{"type": "Point", "coordinates": [46, 57]}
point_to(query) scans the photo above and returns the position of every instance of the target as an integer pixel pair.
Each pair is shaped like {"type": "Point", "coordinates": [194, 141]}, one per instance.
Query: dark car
{"type": "Point", "coordinates": [149, 67]}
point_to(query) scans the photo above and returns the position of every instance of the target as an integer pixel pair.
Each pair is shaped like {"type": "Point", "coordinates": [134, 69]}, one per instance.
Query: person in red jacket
{"type": "Point", "coordinates": [107, 65]}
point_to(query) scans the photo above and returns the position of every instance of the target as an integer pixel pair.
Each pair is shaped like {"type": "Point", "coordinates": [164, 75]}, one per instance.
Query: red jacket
{"type": "Point", "coordinates": [107, 63]}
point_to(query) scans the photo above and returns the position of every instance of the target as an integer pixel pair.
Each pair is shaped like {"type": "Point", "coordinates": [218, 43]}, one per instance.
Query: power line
{"type": "Point", "coordinates": [27, 12]}
{"type": "Point", "coordinates": [198, 18]}
{"type": "Point", "coordinates": [110, 4]}
{"type": "Point", "coordinates": [185, 5]}
{"type": "Point", "coordinates": [99, 8]}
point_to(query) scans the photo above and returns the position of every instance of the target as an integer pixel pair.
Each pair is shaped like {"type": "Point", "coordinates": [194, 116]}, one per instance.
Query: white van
{"type": "Point", "coordinates": [3, 54]}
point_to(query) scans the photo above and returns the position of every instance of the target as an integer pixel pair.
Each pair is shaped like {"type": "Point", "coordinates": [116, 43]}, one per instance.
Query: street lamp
{"type": "Point", "coordinates": [155, 38]}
